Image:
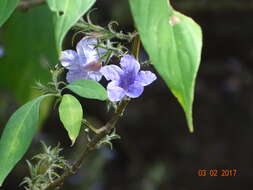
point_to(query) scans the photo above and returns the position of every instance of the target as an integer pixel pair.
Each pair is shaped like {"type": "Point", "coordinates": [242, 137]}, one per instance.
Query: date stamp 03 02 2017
{"type": "Point", "coordinates": [217, 172]}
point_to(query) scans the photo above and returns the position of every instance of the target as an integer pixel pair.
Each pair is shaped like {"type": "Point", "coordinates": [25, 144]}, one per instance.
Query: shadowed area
{"type": "Point", "coordinates": [156, 151]}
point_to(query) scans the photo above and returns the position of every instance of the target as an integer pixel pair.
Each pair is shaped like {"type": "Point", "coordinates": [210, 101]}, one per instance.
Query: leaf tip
{"type": "Point", "coordinates": [73, 140]}
{"type": "Point", "coordinates": [2, 180]}
{"type": "Point", "coordinates": [191, 129]}
{"type": "Point", "coordinates": [190, 123]}
{"type": "Point", "coordinates": [189, 119]}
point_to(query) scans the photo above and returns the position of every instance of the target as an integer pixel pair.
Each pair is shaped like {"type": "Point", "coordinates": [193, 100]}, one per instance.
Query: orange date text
{"type": "Point", "coordinates": [217, 172]}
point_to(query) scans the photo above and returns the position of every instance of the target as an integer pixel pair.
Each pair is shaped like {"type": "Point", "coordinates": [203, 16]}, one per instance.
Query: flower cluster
{"type": "Point", "coordinates": [86, 63]}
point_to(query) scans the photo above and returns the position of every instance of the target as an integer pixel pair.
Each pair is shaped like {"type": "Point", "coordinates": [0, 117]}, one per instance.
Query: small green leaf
{"type": "Point", "coordinates": [174, 43]}
{"type": "Point", "coordinates": [18, 134]}
{"type": "Point", "coordinates": [71, 115]}
{"type": "Point", "coordinates": [88, 89]}
{"type": "Point", "coordinates": [6, 8]}
{"type": "Point", "coordinates": [66, 14]}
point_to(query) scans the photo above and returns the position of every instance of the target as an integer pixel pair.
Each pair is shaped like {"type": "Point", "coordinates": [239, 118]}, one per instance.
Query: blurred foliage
{"type": "Point", "coordinates": [6, 8]}
{"type": "Point", "coordinates": [29, 51]}
{"type": "Point", "coordinates": [154, 176]}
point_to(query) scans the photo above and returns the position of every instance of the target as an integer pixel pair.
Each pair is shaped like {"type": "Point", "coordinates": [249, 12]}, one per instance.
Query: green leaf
{"type": "Point", "coordinates": [6, 8]}
{"type": "Point", "coordinates": [71, 115]}
{"type": "Point", "coordinates": [18, 134]}
{"type": "Point", "coordinates": [173, 42]}
{"type": "Point", "coordinates": [66, 14]}
{"type": "Point", "coordinates": [88, 89]}
{"type": "Point", "coordinates": [27, 41]}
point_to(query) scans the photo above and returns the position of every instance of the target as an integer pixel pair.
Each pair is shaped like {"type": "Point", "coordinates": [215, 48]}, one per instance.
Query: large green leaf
{"type": "Point", "coordinates": [71, 115]}
{"type": "Point", "coordinates": [18, 134]}
{"type": "Point", "coordinates": [88, 89]}
{"type": "Point", "coordinates": [28, 43]}
{"type": "Point", "coordinates": [173, 42]}
{"type": "Point", "coordinates": [6, 8]}
{"type": "Point", "coordinates": [66, 14]}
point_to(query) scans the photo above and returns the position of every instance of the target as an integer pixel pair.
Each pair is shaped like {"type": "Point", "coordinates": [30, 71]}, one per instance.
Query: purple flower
{"type": "Point", "coordinates": [85, 63]}
{"type": "Point", "coordinates": [127, 80]}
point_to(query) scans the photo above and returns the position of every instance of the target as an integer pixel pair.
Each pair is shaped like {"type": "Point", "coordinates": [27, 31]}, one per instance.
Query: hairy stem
{"type": "Point", "coordinates": [103, 131]}
{"type": "Point", "coordinates": [26, 5]}
{"type": "Point", "coordinates": [100, 133]}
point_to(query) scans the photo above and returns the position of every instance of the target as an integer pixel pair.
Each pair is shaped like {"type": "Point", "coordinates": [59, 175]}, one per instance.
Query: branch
{"type": "Point", "coordinates": [105, 130]}
{"type": "Point", "coordinates": [26, 5]}
{"type": "Point", "coordinates": [102, 132]}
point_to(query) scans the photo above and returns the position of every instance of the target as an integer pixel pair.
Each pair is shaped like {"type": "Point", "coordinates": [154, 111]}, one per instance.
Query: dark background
{"type": "Point", "coordinates": [156, 151]}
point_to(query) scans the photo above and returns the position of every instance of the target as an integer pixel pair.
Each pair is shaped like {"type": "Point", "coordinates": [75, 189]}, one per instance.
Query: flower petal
{"type": "Point", "coordinates": [145, 77]}
{"type": "Point", "coordinates": [129, 64]}
{"type": "Point", "coordinates": [112, 72]}
{"type": "Point", "coordinates": [93, 75]}
{"type": "Point", "coordinates": [87, 43]}
{"type": "Point", "coordinates": [93, 66]}
{"type": "Point", "coordinates": [115, 93]}
{"type": "Point", "coordinates": [86, 50]}
{"type": "Point", "coordinates": [135, 90]}
{"type": "Point", "coordinates": [69, 59]}
{"type": "Point", "coordinates": [76, 75]}
{"type": "Point", "coordinates": [102, 54]}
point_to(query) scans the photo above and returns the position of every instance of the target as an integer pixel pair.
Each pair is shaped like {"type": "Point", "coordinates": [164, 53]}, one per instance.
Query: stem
{"type": "Point", "coordinates": [104, 32]}
{"type": "Point", "coordinates": [101, 132]}
{"type": "Point", "coordinates": [136, 47]}
{"type": "Point", "coordinates": [26, 5]}
{"type": "Point", "coordinates": [93, 129]}
{"type": "Point", "coordinates": [91, 146]}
